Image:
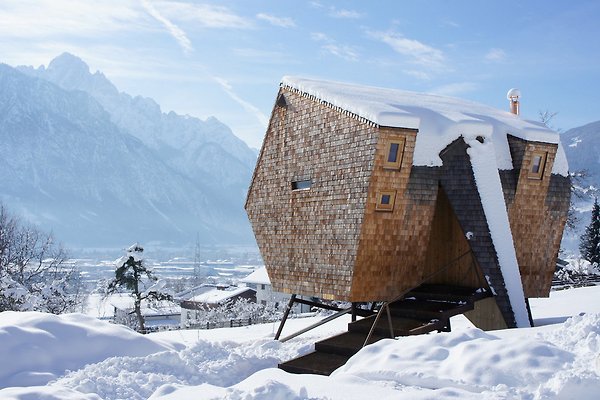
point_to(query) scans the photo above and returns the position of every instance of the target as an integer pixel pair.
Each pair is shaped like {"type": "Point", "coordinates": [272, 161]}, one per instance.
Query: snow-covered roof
{"type": "Point", "coordinates": [217, 296]}
{"type": "Point", "coordinates": [439, 119]}
{"type": "Point", "coordinates": [258, 277]}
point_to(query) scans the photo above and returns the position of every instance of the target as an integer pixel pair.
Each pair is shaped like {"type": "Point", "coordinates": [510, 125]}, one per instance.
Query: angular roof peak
{"type": "Point", "coordinates": [439, 119]}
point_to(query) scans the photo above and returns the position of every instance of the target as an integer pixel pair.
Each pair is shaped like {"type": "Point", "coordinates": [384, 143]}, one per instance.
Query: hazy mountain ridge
{"type": "Point", "coordinates": [67, 167]}
{"type": "Point", "coordinates": [582, 147]}
{"type": "Point", "coordinates": [177, 138]}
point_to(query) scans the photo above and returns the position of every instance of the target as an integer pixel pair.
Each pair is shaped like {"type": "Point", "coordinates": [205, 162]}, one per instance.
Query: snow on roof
{"type": "Point", "coordinates": [258, 277]}
{"type": "Point", "coordinates": [489, 187]}
{"type": "Point", "coordinates": [439, 119]}
{"type": "Point", "coordinates": [217, 296]}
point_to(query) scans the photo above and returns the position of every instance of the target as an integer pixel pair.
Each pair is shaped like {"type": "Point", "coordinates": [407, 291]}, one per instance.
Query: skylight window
{"type": "Point", "coordinates": [538, 162]}
{"type": "Point", "coordinates": [394, 153]}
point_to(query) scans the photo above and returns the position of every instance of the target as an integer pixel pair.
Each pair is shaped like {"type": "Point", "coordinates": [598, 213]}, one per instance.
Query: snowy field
{"type": "Point", "coordinates": [78, 357]}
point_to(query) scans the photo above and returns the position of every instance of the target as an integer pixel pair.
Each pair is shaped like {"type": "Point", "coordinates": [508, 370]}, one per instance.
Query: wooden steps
{"type": "Point", "coordinates": [425, 309]}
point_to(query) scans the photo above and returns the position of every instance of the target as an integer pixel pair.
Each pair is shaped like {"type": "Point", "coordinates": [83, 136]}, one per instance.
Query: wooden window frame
{"type": "Point", "coordinates": [543, 155]}
{"type": "Point", "coordinates": [396, 140]}
{"type": "Point", "coordinates": [380, 206]}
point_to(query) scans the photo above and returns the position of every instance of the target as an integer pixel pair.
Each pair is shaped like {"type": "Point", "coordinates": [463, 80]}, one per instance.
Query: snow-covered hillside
{"type": "Point", "coordinates": [68, 358]}
{"type": "Point", "coordinates": [582, 147]}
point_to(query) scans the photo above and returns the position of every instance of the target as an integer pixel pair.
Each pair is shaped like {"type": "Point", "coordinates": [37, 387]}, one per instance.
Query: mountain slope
{"type": "Point", "coordinates": [582, 146]}
{"type": "Point", "coordinates": [178, 139]}
{"type": "Point", "coordinates": [67, 167]}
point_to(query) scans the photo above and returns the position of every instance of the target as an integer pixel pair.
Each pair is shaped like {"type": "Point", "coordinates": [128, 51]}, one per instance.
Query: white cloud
{"type": "Point", "coordinates": [451, 24]}
{"type": "Point", "coordinates": [417, 52]}
{"type": "Point", "coordinates": [343, 51]}
{"type": "Point", "coordinates": [320, 37]}
{"type": "Point", "coordinates": [205, 15]}
{"type": "Point", "coordinates": [330, 46]}
{"type": "Point", "coordinates": [455, 89]}
{"type": "Point", "coordinates": [495, 55]}
{"type": "Point", "coordinates": [265, 56]}
{"type": "Point", "coordinates": [173, 29]}
{"type": "Point", "coordinates": [343, 13]}
{"type": "Point", "coordinates": [421, 75]}
{"type": "Point", "coordinates": [337, 13]}
{"type": "Point", "coordinates": [251, 108]}
{"type": "Point", "coordinates": [47, 19]}
{"type": "Point", "coordinates": [283, 22]}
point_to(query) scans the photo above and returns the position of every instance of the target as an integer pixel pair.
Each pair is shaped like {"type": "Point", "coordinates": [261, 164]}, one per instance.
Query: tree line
{"type": "Point", "coordinates": [34, 274]}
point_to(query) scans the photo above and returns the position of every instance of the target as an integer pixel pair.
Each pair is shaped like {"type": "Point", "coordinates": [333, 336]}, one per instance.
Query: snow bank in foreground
{"type": "Point", "coordinates": [471, 360]}
{"type": "Point", "coordinates": [37, 348]}
{"type": "Point", "coordinates": [45, 393]}
{"type": "Point", "coordinates": [468, 364]}
{"type": "Point", "coordinates": [579, 335]}
{"type": "Point", "coordinates": [274, 384]}
{"type": "Point", "coordinates": [222, 364]}
{"type": "Point", "coordinates": [557, 361]}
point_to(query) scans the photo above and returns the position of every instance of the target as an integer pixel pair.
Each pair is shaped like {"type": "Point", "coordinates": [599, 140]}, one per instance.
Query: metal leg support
{"type": "Point", "coordinates": [286, 313]}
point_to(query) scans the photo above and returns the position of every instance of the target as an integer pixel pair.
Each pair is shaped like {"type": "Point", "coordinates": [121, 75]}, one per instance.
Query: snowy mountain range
{"type": "Point", "coordinates": [102, 168]}
{"type": "Point", "coordinates": [582, 146]}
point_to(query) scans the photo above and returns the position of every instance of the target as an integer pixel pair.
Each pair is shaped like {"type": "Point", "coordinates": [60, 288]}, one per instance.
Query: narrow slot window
{"type": "Point", "coordinates": [394, 153]}
{"type": "Point", "coordinates": [538, 162]}
{"type": "Point", "coordinates": [385, 200]}
{"type": "Point", "coordinates": [302, 185]}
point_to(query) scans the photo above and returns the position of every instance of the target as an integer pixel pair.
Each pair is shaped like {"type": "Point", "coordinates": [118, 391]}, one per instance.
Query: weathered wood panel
{"type": "Point", "coordinates": [391, 251]}
{"type": "Point", "coordinates": [537, 215]}
{"type": "Point", "coordinates": [445, 261]}
{"type": "Point", "coordinates": [309, 238]}
{"type": "Point", "coordinates": [487, 315]}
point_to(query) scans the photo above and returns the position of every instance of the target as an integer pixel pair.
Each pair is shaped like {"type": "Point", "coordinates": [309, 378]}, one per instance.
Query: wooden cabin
{"type": "Point", "coordinates": [361, 194]}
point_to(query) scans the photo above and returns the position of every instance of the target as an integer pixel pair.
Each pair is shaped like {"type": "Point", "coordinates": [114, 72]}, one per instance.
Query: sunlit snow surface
{"type": "Point", "coordinates": [556, 360]}
{"type": "Point", "coordinates": [439, 119]}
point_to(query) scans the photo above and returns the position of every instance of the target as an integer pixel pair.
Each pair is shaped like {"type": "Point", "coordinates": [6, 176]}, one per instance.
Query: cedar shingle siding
{"type": "Point", "coordinates": [331, 242]}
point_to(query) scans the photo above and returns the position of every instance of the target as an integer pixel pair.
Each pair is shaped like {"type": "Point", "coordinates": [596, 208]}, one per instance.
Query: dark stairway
{"type": "Point", "coordinates": [425, 309]}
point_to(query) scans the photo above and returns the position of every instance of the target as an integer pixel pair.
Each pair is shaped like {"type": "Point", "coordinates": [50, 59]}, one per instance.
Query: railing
{"type": "Point", "coordinates": [386, 304]}
{"type": "Point", "coordinates": [317, 324]}
{"type": "Point", "coordinates": [229, 323]}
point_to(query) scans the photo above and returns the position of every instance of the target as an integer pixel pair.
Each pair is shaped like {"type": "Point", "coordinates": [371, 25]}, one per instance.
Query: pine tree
{"type": "Point", "coordinates": [589, 244]}
{"type": "Point", "coordinates": [132, 275]}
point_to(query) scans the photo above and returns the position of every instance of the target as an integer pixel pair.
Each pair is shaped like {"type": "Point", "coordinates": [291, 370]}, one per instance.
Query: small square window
{"type": "Point", "coordinates": [385, 200]}
{"type": "Point", "coordinates": [302, 185]}
{"type": "Point", "coordinates": [394, 153]}
{"type": "Point", "coordinates": [538, 162]}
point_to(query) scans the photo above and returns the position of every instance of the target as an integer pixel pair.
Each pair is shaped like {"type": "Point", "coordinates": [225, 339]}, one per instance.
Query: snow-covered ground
{"type": "Point", "coordinates": [77, 357]}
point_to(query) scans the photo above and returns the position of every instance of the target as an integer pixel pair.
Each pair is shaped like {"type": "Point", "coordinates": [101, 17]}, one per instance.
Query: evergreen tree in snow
{"type": "Point", "coordinates": [133, 276]}
{"type": "Point", "coordinates": [589, 245]}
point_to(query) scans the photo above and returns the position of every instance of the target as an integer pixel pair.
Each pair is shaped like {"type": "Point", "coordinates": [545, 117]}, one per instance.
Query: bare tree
{"type": "Point", "coordinates": [546, 118]}
{"type": "Point", "coordinates": [34, 274]}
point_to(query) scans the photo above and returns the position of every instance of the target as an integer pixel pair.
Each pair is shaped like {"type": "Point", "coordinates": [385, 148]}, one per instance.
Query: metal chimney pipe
{"type": "Point", "coordinates": [513, 97]}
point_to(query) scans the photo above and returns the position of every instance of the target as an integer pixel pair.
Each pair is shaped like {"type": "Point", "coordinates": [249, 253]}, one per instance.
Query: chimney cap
{"type": "Point", "coordinates": [513, 93]}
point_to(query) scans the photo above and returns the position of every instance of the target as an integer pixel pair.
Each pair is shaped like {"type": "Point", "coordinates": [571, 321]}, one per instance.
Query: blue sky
{"type": "Point", "coordinates": [226, 58]}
